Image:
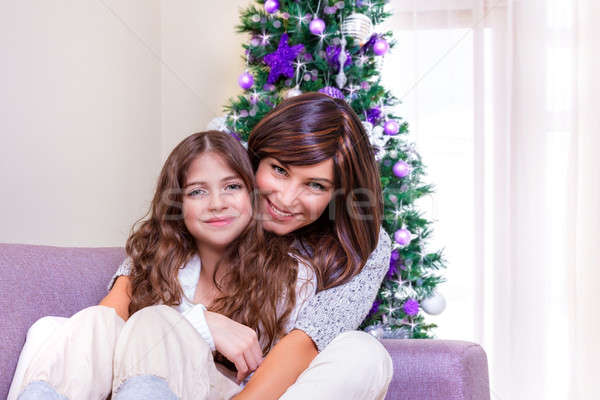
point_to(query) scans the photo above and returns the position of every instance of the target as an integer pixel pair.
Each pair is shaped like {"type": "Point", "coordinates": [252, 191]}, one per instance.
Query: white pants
{"type": "Point", "coordinates": [91, 354]}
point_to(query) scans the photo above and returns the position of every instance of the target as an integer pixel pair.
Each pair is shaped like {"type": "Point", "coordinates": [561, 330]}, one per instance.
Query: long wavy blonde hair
{"type": "Point", "coordinates": [259, 271]}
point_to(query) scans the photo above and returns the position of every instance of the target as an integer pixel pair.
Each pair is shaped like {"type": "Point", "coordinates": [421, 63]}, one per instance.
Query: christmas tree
{"type": "Point", "coordinates": [333, 47]}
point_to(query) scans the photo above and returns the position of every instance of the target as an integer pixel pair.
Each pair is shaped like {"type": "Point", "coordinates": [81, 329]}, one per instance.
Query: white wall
{"type": "Point", "coordinates": [93, 96]}
{"type": "Point", "coordinates": [202, 60]}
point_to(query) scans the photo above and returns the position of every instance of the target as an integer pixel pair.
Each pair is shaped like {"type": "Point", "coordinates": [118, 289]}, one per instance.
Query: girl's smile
{"type": "Point", "coordinates": [216, 202]}
{"type": "Point", "coordinates": [222, 221]}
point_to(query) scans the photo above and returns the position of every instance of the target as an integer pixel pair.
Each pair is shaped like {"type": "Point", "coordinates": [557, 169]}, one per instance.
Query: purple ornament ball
{"type": "Point", "coordinates": [401, 169]}
{"type": "Point", "coordinates": [317, 26]}
{"type": "Point", "coordinates": [246, 80]}
{"type": "Point", "coordinates": [380, 47]}
{"type": "Point", "coordinates": [402, 237]}
{"type": "Point", "coordinates": [411, 307]}
{"type": "Point", "coordinates": [391, 127]}
{"type": "Point", "coordinates": [271, 6]}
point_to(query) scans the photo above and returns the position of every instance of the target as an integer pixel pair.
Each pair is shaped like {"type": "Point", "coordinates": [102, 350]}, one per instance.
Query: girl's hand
{"type": "Point", "coordinates": [238, 343]}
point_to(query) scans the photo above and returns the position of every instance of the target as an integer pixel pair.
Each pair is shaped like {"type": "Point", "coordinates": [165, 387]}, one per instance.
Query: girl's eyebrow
{"type": "Point", "coordinates": [227, 178]}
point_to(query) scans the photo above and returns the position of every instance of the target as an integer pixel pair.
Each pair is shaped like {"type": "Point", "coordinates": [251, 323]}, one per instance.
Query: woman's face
{"type": "Point", "coordinates": [293, 196]}
{"type": "Point", "coordinates": [216, 202]}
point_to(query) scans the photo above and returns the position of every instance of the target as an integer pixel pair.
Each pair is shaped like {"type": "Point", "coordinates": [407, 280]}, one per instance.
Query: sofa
{"type": "Point", "coordinates": [45, 280]}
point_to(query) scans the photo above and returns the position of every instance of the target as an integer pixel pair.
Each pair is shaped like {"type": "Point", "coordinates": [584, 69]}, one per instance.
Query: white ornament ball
{"type": "Point", "coordinates": [434, 305]}
{"type": "Point", "coordinates": [218, 124]}
{"type": "Point", "coordinates": [359, 27]}
{"type": "Point", "coordinates": [293, 92]}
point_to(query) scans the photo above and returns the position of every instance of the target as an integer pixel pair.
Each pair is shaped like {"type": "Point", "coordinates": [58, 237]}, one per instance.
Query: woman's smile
{"type": "Point", "coordinates": [277, 213]}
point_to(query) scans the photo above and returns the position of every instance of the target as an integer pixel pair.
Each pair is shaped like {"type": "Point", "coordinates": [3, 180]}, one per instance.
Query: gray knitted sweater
{"type": "Point", "coordinates": [333, 311]}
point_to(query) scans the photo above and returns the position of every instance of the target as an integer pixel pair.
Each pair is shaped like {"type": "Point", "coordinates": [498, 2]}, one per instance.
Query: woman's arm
{"type": "Point", "coordinates": [280, 369]}
{"type": "Point", "coordinates": [344, 307]}
{"type": "Point", "coordinates": [329, 313]}
{"type": "Point", "coordinates": [119, 297]}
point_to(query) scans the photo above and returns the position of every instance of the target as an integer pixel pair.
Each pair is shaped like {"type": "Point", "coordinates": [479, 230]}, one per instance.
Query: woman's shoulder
{"type": "Point", "coordinates": [384, 245]}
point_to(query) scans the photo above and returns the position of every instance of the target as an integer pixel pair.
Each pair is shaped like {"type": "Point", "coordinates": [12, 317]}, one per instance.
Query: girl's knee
{"type": "Point", "coordinates": [360, 350]}
{"type": "Point", "coordinates": [45, 326]}
{"type": "Point", "coordinates": [152, 317]}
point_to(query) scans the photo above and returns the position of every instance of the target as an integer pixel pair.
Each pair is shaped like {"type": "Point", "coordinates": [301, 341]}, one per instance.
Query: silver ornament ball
{"type": "Point", "coordinates": [359, 27]}
{"type": "Point", "coordinates": [397, 333]}
{"type": "Point", "coordinates": [376, 331]}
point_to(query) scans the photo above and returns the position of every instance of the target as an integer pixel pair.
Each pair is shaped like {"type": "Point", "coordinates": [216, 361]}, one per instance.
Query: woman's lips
{"type": "Point", "coordinates": [278, 214]}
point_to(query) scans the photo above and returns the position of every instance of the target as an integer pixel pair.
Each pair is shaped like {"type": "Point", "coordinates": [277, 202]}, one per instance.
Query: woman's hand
{"type": "Point", "coordinates": [237, 342]}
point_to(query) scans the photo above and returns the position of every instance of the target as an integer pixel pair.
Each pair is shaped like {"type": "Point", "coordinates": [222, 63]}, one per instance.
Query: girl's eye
{"type": "Point", "coordinates": [197, 192]}
{"type": "Point", "coordinates": [279, 170]}
{"type": "Point", "coordinates": [234, 186]}
{"type": "Point", "coordinates": [317, 186]}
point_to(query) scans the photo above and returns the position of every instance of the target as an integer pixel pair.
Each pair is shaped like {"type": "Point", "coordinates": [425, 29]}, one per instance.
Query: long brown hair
{"type": "Point", "coordinates": [256, 275]}
{"type": "Point", "coordinates": [306, 130]}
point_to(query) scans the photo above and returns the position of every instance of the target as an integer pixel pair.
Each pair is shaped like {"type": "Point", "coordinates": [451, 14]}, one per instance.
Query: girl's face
{"type": "Point", "coordinates": [293, 196]}
{"type": "Point", "coordinates": [216, 202]}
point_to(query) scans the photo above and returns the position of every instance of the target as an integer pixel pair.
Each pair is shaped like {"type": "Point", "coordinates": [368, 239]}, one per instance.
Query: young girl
{"type": "Point", "coordinates": [199, 256]}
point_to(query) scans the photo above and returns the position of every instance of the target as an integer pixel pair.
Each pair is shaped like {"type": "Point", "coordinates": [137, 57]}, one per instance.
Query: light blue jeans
{"type": "Point", "coordinates": [141, 387]}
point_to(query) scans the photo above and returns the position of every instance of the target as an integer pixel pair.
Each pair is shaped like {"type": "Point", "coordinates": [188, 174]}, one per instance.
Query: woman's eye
{"type": "Point", "coordinates": [234, 186]}
{"type": "Point", "coordinates": [317, 186]}
{"type": "Point", "coordinates": [279, 170]}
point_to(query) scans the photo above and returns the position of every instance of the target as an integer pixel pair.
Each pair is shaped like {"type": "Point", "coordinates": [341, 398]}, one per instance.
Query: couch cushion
{"type": "Point", "coordinates": [44, 280]}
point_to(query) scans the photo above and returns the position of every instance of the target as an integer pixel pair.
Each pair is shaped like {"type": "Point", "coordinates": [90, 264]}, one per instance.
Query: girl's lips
{"type": "Point", "coordinates": [219, 221]}
{"type": "Point", "coordinates": [275, 215]}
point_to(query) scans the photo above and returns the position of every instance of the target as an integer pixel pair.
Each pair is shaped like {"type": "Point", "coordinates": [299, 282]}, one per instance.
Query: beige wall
{"type": "Point", "coordinates": [93, 97]}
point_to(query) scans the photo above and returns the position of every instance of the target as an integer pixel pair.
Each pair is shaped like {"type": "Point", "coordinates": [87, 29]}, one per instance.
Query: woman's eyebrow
{"type": "Point", "coordinates": [322, 179]}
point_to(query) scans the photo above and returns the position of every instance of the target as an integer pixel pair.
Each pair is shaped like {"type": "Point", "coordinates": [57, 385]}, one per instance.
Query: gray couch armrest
{"type": "Point", "coordinates": [437, 370]}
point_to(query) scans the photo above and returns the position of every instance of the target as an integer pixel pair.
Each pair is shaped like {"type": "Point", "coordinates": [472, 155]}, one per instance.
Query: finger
{"type": "Point", "coordinates": [242, 367]}
{"type": "Point", "coordinates": [258, 353]}
{"type": "Point", "coordinates": [251, 360]}
{"type": "Point", "coordinates": [254, 355]}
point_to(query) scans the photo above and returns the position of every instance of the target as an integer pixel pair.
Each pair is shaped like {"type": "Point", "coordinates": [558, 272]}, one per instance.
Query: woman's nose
{"type": "Point", "coordinates": [289, 195]}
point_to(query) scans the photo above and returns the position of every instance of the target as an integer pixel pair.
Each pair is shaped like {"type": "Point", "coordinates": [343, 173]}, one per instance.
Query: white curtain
{"type": "Point", "coordinates": [503, 102]}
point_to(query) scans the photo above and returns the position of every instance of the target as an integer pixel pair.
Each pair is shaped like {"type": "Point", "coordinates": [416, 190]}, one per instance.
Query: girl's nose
{"type": "Point", "coordinates": [217, 202]}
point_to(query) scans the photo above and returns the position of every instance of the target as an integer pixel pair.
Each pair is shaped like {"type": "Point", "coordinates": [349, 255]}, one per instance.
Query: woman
{"type": "Point", "coordinates": [319, 186]}
{"type": "Point", "coordinates": [319, 182]}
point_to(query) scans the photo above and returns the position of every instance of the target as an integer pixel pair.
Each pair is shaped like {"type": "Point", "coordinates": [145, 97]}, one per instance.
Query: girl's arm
{"type": "Point", "coordinates": [280, 369]}
{"type": "Point", "coordinates": [329, 313]}
{"type": "Point", "coordinates": [119, 297]}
